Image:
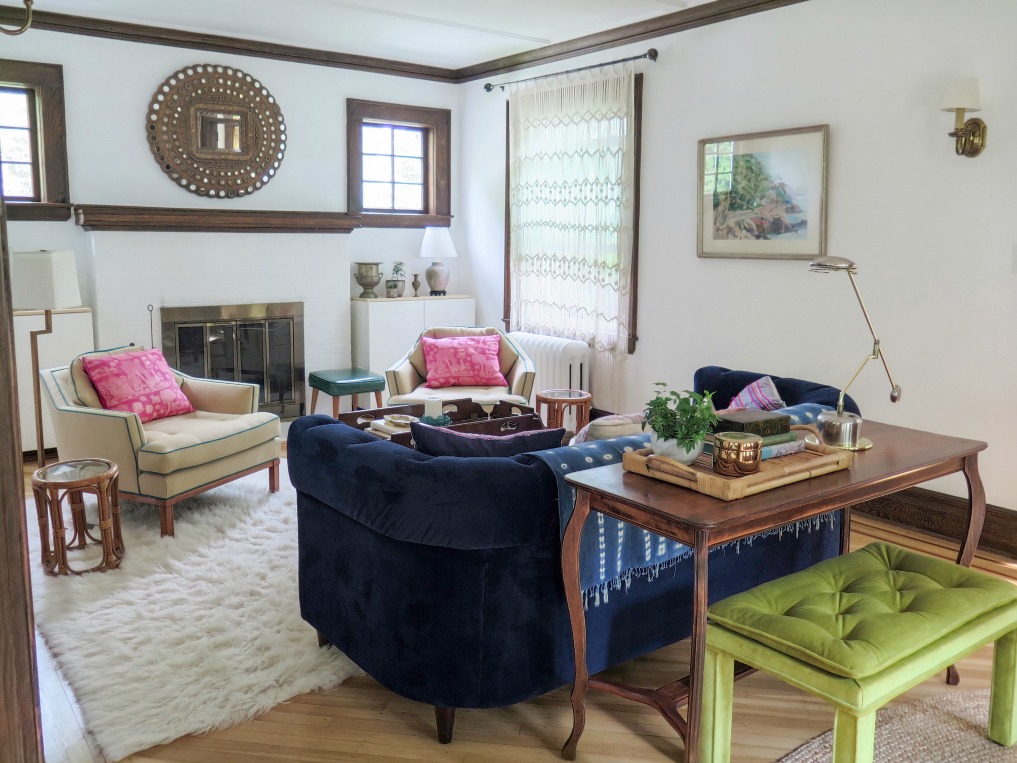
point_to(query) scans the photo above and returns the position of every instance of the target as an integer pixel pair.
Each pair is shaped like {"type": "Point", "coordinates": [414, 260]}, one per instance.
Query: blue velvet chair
{"type": "Point", "coordinates": [441, 576]}
{"type": "Point", "coordinates": [726, 384]}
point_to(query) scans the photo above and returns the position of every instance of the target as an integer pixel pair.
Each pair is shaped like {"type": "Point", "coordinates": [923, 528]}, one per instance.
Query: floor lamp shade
{"type": "Point", "coordinates": [44, 280]}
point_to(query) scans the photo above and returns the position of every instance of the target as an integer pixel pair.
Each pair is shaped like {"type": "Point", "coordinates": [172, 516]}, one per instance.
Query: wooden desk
{"type": "Point", "coordinates": [901, 458]}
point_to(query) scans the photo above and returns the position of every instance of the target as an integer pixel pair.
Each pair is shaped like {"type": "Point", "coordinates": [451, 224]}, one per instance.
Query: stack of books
{"type": "Point", "coordinates": [774, 428]}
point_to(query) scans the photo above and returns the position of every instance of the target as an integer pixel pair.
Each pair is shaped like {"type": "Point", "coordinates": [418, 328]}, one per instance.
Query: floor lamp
{"type": "Point", "coordinates": [46, 280]}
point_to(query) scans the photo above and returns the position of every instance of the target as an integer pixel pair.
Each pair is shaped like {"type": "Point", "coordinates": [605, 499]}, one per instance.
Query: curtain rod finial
{"type": "Point", "coordinates": [652, 54]}
{"type": "Point", "coordinates": [488, 87]}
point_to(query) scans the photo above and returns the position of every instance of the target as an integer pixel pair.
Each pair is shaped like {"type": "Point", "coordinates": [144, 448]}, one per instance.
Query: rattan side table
{"type": "Point", "coordinates": [557, 400]}
{"type": "Point", "coordinates": [71, 479]}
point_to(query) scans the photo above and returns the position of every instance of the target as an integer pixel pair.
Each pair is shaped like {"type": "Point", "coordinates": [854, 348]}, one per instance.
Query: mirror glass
{"type": "Point", "coordinates": [221, 131]}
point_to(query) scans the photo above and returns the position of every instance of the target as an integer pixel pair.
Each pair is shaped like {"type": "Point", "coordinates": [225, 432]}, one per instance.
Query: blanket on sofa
{"type": "Point", "coordinates": [613, 552]}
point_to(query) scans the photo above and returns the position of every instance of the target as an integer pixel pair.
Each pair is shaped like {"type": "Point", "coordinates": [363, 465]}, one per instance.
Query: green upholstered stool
{"type": "Point", "coordinates": [345, 381]}
{"type": "Point", "coordinates": [858, 630]}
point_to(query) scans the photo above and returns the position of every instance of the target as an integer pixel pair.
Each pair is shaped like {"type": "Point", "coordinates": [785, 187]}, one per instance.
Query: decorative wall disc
{"type": "Point", "coordinates": [216, 131]}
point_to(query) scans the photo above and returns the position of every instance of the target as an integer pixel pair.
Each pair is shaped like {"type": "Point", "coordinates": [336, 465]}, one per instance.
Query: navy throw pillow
{"type": "Point", "coordinates": [438, 441]}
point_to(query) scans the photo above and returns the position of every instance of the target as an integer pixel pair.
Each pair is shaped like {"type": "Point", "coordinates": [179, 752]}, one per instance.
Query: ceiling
{"type": "Point", "coordinates": [445, 33]}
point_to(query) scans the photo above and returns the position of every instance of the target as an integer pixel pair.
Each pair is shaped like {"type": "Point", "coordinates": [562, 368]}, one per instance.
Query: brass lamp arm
{"type": "Point", "coordinates": [877, 352]}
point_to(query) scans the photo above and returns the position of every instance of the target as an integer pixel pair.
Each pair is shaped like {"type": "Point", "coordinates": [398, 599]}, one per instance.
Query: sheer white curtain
{"type": "Point", "coordinates": [571, 193]}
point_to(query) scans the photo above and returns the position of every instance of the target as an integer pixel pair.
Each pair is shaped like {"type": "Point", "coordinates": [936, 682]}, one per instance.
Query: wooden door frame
{"type": "Point", "coordinates": [20, 718]}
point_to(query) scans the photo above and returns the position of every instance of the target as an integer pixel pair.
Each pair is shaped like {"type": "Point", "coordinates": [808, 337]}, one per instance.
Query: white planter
{"type": "Point", "coordinates": [672, 449]}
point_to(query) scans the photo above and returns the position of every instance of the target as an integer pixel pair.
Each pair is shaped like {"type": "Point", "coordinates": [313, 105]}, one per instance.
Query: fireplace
{"type": "Point", "coordinates": [261, 344]}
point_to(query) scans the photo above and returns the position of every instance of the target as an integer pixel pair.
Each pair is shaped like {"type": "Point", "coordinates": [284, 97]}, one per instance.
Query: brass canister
{"type": "Point", "coordinates": [736, 453]}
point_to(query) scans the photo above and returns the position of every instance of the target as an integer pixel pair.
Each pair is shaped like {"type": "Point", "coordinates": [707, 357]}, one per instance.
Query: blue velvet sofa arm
{"type": "Point", "coordinates": [726, 384]}
{"type": "Point", "coordinates": [460, 503]}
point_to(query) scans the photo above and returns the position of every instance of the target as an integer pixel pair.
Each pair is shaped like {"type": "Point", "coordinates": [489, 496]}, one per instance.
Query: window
{"type": "Point", "coordinates": [398, 164]}
{"type": "Point", "coordinates": [32, 144]}
{"type": "Point", "coordinates": [572, 207]}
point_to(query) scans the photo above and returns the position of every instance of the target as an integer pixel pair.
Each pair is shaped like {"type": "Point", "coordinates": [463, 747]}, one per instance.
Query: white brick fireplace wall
{"type": "Point", "coordinates": [132, 270]}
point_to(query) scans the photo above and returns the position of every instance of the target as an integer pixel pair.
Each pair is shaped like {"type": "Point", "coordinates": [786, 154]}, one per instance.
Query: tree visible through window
{"type": "Point", "coordinates": [18, 158]}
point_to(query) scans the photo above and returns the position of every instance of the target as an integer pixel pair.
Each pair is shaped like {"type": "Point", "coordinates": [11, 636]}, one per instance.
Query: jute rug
{"type": "Point", "coordinates": [951, 728]}
{"type": "Point", "coordinates": [191, 633]}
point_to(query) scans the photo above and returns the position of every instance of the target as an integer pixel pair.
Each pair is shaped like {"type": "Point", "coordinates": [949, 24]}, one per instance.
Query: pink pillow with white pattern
{"type": "Point", "coordinates": [762, 394]}
{"type": "Point", "coordinates": [463, 361]}
{"type": "Point", "coordinates": [137, 382]}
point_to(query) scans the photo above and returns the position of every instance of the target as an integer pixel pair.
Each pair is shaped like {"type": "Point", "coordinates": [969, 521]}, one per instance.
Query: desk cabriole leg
{"type": "Point", "coordinates": [697, 661]}
{"type": "Point", "coordinates": [976, 518]}
{"type": "Point", "coordinates": [577, 617]}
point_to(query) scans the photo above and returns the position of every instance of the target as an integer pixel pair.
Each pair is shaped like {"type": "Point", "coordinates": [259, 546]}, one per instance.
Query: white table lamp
{"type": "Point", "coordinates": [46, 280]}
{"type": "Point", "coordinates": [437, 246]}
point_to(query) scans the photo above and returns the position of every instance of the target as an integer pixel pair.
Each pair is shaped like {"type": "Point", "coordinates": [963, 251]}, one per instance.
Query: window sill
{"type": "Point", "coordinates": [34, 210]}
{"type": "Point", "coordinates": [382, 220]}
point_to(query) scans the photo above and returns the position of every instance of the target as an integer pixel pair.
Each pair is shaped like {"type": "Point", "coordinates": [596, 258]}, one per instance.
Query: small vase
{"type": "Point", "coordinates": [672, 449]}
{"type": "Point", "coordinates": [415, 283]}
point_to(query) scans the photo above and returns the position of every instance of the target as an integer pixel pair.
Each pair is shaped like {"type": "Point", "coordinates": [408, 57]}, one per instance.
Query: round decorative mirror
{"type": "Point", "coordinates": [216, 131]}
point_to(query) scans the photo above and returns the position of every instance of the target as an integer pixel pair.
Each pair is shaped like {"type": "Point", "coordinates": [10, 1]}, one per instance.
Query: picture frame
{"type": "Point", "coordinates": [763, 195]}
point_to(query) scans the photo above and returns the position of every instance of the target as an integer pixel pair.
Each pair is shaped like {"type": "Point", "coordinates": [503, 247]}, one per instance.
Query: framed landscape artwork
{"type": "Point", "coordinates": [763, 195]}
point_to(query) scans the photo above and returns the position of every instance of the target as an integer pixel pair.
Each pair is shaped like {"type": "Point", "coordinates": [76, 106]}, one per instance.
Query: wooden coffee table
{"type": "Point", "coordinates": [901, 458]}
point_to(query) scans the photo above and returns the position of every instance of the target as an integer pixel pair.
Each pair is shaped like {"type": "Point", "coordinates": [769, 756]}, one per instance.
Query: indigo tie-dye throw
{"type": "Point", "coordinates": [612, 552]}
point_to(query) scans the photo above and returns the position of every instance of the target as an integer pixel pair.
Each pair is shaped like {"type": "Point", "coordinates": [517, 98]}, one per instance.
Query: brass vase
{"type": "Point", "coordinates": [367, 277]}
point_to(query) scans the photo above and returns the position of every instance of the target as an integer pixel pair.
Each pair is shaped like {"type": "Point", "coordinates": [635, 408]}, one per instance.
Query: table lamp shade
{"type": "Point", "coordinates": [437, 245]}
{"type": "Point", "coordinates": [962, 93]}
{"type": "Point", "coordinates": [44, 280]}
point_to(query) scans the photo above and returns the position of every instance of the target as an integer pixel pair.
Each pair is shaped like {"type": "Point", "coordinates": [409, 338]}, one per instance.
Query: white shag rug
{"type": "Point", "coordinates": [191, 633]}
{"type": "Point", "coordinates": [949, 728]}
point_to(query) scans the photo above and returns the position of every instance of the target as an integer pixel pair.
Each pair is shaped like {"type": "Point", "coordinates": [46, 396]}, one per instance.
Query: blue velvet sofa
{"type": "Point", "coordinates": [440, 576]}
{"type": "Point", "coordinates": [726, 384]}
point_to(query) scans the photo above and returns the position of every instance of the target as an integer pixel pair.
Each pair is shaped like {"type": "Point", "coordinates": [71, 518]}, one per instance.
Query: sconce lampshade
{"type": "Point", "coordinates": [962, 93]}
{"type": "Point", "coordinates": [44, 280]}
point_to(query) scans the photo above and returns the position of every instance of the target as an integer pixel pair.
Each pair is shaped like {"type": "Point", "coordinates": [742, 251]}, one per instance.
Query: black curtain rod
{"type": "Point", "coordinates": [650, 54]}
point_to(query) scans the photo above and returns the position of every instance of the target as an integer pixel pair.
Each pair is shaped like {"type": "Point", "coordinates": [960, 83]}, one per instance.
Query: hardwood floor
{"type": "Point", "coordinates": [362, 721]}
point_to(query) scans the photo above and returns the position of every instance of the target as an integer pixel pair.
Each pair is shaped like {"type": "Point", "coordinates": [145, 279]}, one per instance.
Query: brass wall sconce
{"type": "Point", "coordinates": [962, 95]}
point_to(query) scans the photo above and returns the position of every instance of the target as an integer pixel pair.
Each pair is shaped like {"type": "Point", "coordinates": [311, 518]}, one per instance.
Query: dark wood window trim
{"type": "Point", "coordinates": [47, 83]}
{"type": "Point", "coordinates": [437, 124]}
{"type": "Point", "coordinates": [637, 149]}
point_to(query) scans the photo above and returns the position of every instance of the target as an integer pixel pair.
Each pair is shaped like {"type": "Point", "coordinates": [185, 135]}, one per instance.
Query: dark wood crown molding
{"type": "Point", "coordinates": [177, 38]}
{"type": "Point", "coordinates": [701, 15]}
{"type": "Point", "coordinates": [109, 218]}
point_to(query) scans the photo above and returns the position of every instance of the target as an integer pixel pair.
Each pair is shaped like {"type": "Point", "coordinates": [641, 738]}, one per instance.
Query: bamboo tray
{"type": "Point", "coordinates": [814, 461]}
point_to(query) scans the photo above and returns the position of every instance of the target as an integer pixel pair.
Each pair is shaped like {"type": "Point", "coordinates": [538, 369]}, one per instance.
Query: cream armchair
{"type": "Point", "coordinates": [167, 460]}
{"type": "Point", "coordinates": [406, 378]}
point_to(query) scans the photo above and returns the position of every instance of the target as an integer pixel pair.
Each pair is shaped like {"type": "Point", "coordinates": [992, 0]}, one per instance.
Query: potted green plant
{"type": "Point", "coordinates": [395, 285]}
{"type": "Point", "coordinates": [679, 422]}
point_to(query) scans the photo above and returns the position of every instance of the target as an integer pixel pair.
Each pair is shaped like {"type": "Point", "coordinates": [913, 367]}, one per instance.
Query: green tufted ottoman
{"type": "Point", "coordinates": [858, 630]}
{"type": "Point", "coordinates": [344, 381]}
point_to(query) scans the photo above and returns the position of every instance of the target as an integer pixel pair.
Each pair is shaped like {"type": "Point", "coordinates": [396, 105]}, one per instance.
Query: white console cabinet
{"type": "Point", "coordinates": [384, 329]}
{"type": "Point", "coordinates": [72, 335]}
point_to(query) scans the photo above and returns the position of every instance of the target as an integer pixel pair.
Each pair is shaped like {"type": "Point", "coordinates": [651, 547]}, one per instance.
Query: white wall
{"type": "Point", "coordinates": [932, 233]}
{"type": "Point", "coordinates": [108, 85]}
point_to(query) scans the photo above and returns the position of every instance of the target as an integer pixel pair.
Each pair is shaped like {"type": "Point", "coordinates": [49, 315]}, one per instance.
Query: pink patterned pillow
{"type": "Point", "coordinates": [762, 394]}
{"type": "Point", "coordinates": [137, 382]}
{"type": "Point", "coordinates": [463, 361]}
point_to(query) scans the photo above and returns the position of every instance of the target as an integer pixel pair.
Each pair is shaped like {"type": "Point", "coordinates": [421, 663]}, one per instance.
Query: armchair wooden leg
{"type": "Point", "coordinates": [314, 399]}
{"type": "Point", "coordinates": [445, 719]}
{"type": "Point", "coordinates": [273, 477]}
{"type": "Point", "coordinates": [166, 519]}
{"type": "Point", "coordinates": [377, 398]}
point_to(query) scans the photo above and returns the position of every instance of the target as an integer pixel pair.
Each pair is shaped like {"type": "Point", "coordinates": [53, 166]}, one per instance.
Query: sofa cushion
{"type": "Point", "coordinates": [609, 427]}
{"type": "Point", "coordinates": [761, 394]}
{"type": "Point", "coordinates": [180, 442]}
{"type": "Point", "coordinates": [479, 395]}
{"type": "Point", "coordinates": [462, 361]}
{"type": "Point", "coordinates": [137, 382]}
{"type": "Point", "coordinates": [437, 441]}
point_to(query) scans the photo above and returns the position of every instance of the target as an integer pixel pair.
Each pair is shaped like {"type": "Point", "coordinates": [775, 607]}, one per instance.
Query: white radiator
{"type": "Point", "coordinates": [559, 363]}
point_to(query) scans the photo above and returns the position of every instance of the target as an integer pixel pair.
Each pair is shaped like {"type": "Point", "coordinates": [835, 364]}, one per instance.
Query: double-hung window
{"type": "Point", "coordinates": [33, 151]}
{"type": "Point", "coordinates": [399, 164]}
